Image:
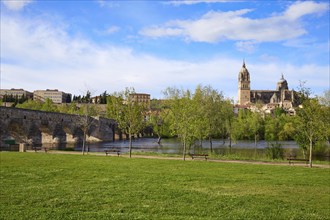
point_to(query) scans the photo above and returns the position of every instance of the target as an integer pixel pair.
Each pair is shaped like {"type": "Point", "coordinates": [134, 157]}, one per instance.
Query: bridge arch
{"type": "Point", "coordinates": [35, 127]}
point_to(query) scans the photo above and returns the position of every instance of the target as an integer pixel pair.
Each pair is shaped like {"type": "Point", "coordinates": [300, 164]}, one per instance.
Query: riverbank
{"type": "Point", "coordinates": [317, 164]}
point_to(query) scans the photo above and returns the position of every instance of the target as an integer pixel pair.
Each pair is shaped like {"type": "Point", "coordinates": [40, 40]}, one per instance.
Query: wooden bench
{"type": "Point", "coordinates": [36, 149]}
{"type": "Point", "coordinates": [293, 159]}
{"type": "Point", "coordinates": [199, 155]}
{"type": "Point", "coordinates": [111, 151]}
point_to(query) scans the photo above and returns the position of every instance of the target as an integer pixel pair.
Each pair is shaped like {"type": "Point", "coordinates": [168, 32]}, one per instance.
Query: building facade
{"type": "Point", "coordinates": [141, 98]}
{"type": "Point", "coordinates": [281, 97]}
{"type": "Point", "coordinates": [52, 94]}
{"type": "Point", "coordinates": [15, 93]}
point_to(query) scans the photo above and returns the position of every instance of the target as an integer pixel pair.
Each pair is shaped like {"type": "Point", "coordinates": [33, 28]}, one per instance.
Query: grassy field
{"type": "Point", "coordinates": [55, 186]}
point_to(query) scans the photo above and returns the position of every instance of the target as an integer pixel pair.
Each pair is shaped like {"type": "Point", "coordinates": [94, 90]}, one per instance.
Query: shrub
{"type": "Point", "coordinates": [275, 151]}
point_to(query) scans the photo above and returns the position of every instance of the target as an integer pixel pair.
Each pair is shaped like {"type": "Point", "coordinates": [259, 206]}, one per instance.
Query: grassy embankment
{"type": "Point", "coordinates": [55, 186]}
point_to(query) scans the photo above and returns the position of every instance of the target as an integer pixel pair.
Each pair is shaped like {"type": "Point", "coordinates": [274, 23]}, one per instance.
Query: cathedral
{"type": "Point", "coordinates": [281, 97]}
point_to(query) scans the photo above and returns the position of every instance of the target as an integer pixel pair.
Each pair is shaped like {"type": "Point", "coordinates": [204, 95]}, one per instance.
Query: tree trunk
{"type": "Point", "coordinates": [184, 149]}
{"type": "Point", "coordinates": [230, 144]}
{"type": "Point", "coordinates": [310, 152]}
{"type": "Point", "coordinates": [84, 143]}
{"type": "Point", "coordinates": [255, 141]}
{"type": "Point", "coordinates": [130, 146]}
{"type": "Point", "coordinates": [159, 139]}
{"type": "Point", "coordinates": [211, 147]}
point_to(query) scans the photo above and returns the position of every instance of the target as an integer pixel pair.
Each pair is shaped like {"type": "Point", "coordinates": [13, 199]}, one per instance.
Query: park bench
{"type": "Point", "coordinates": [111, 152]}
{"type": "Point", "coordinates": [36, 149]}
{"type": "Point", "coordinates": [293, 159]}
{"type": "Point", "coordinates": [199, 155]}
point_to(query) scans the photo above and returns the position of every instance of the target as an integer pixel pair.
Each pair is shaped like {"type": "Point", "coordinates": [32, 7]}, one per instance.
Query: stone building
{"type": "Point", "coordinates": [141, 98]}
{"type": "Point", "coordinates": [16, 93]}
{"type": "Point", "coordinates": [53, 94]}
{"type": "Point", "coordinates": [281, 97]}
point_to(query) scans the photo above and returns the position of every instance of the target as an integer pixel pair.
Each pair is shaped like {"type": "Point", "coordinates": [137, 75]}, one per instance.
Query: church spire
{"type": "Point", "coordinates": [244, 63]}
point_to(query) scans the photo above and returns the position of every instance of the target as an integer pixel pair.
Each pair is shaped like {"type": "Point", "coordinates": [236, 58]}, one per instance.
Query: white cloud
{"type": "Point", "coordinates": [299, 9]}
{"type": "Point", "coordinates": [40, 55]}
{"type": "Point", "coordinates": [246, 46]}
{"type": "Point", "coordinates": [16, 5]}
{"type": "Point", "coordinates": [216, 26]}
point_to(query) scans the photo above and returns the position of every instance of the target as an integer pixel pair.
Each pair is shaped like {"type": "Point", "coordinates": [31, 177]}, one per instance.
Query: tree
{"type": "Point", "coordinates": [86, 111]}
{"type": "Point", "coordinates": [158, 121]}
{"type": "Point", "coordinates": [228, 115]}
{"type": "Point", "coordinates": [129, 115]}
{"type": "Point", "coordinates": [184, 117]}
{"type": "Point", "coordinates": [103, 97]}
{"type": "Point", "coordinates": [203, 109]}
{"type": "Point", "coordinates": [312, 124]}
{"type": "Point", "coordinates": [49, 106]}
{"type": "Point", "coordinates": [255, 123]}
{"type": "Point", "coordinates": [211, 113]}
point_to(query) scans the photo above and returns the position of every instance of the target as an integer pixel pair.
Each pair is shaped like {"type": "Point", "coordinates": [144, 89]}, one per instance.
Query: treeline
{"type": "Point", "coordinates": [14, 99]}
{"type": "Point", "coordinates": [204, 114]}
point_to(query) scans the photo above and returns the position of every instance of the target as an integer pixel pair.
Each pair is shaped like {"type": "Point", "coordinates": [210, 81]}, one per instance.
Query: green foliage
{"type": "Point", "coordinates": [313, 125]}
{"type": "Point", "coordinates": [159, 121]}
{"type": "Point", "coordinates": [275, 151]}
{"type": "Point", "coordinates": [279, 127]}
{"type": "Point", "coordinates": [83, 99]}
{"type": "Point", "coordinates": [248, 125]}
{"type": "Point", "coordinates": [204, 114]}
{"type": "Point", "coordinates": [183, 116]}
{"type": "Point", "coordinates": [14, 99]}
{"type": "Point", "coordinates": [129, 115]}
{"type": "Point", "coordinates": [30, 104]}
{"type": "Point", "coordinates": [54, 186]}
{"type": "Point", "coordinates": [49, 106]}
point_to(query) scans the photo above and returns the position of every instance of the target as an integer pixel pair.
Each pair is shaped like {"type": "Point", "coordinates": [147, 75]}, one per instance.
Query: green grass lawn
{"type": "Point", "coordinates": [55, 186]}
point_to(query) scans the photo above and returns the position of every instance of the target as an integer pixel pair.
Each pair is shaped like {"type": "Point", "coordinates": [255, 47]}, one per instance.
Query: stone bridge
{"type": "Point", "coordinates": [37, 127]}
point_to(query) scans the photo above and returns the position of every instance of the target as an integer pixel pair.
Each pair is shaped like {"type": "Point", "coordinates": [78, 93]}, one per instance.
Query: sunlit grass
{"type": "Point", "coordinates": [54, 186]}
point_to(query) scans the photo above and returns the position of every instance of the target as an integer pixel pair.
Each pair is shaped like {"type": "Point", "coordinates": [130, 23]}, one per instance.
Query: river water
{"type": "Point", "coordinates": [242, 149]}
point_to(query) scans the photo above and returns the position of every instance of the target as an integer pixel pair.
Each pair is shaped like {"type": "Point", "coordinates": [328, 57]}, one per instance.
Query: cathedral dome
{"type": "Point", "coordinates": [244, 74]}
{"type": "Point", "coordinates": [282, 84]}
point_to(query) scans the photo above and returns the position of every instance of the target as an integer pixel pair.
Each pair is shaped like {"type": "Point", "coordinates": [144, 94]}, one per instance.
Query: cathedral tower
{"type": "Point", "coordinates": [243, 86]}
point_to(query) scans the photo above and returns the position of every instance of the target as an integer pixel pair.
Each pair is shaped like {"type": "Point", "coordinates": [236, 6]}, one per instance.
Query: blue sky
{"type": "Point", "coordinates": [151, 45]}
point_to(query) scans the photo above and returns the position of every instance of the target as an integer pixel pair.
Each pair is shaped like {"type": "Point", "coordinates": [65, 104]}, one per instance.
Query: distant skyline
{"type": "Point", "coordinates": [75, 46]}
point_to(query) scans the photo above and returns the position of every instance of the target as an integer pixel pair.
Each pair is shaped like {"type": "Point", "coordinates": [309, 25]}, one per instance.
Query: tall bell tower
{"type": "Point", "coordinates": [243, 86]}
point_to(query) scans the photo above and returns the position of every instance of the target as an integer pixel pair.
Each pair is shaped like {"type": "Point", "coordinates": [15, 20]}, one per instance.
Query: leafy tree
{"type": "Point", "coordinates": [87, 112]}
{"type": "Point", "coordinates": [228, 116]}
{"type": "Point", "coordinates": [255, 123]}
{"type": "Point", "coordinates": [158, 119]}
{"type": "Point", "coordinates": [211, 113]}
{"type": "Point", "coordinates": [184, 117]}
{"type": "Point", "coordinates": [129, 115]}
{"type": "Point", "coordinates": [202, 107]}
{"type": "Point", "coordinates": [103, 97]}
{"type": "Point", "coordinates": [312, 124]}
{"type": "Point", "coordinates": [49, 106]}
